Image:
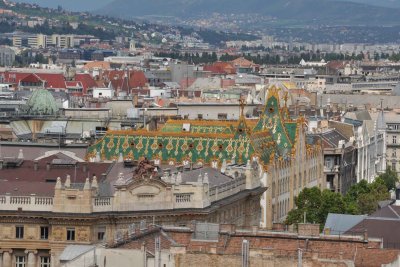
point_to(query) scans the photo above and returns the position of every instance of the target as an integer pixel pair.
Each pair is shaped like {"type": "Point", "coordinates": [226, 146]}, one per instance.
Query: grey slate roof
{"type": "Point", "coordinates": [72, 252]}
{"type": "Point", "coordinates": [215, 177]}
{"type": "Point", "coordinates": [341, 223]}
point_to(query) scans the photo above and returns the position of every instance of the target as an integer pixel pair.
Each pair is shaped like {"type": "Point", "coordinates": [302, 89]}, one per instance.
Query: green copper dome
{"type": "Point", "coordinates": [41, 102]}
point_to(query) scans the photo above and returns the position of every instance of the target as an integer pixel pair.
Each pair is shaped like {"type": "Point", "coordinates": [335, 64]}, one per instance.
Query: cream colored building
{"type": "Point", "coordinates": [35, 229]}
{"type": "Point", "coordinates": [43, 41]}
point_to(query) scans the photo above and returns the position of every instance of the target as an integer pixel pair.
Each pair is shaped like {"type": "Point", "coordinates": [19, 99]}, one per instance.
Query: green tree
{"type": "Point", "coordinates": [330, 203]}
{"type": "Point", "coordinates": [361, 198]}
{"type": "Point", "coordinates": [389, 178]}
{"type": "Point", "coordinates": [307, 202]}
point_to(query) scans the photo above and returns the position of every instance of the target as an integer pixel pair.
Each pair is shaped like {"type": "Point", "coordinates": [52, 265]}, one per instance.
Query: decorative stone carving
{"type": "Point", "coordinates": [6, 232]}
{"type": "Point", "coordinates": [145, 170]}
{"type": "Point", "coordinates": [31, 233]}
{"type": "Point", "coordinates": [58, 233]}
{"type": "Point", "coordinates": [82, 234]}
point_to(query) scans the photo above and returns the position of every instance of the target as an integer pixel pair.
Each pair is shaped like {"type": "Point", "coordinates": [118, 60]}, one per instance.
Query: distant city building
{"type": "Point", "coordinates": [43, 41]}
{"type": "Point", "coordinates": [7, 56]}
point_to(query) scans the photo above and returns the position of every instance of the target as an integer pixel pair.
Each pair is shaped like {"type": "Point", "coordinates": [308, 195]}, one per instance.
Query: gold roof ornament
{"type": "Point", "coordinates": [242, 104]}
{"type": "Point", "coordinates": [285, 98]}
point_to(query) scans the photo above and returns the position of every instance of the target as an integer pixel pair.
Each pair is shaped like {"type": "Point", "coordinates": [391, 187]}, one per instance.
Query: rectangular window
{"type": "Point", "coordinates": [101, 232]}
{"type": "Point", "coordinates": [222, 116]}
{"type": "Point", "coordinates": [19, 232]}
{"type": "Point", "coordinates": [44, 261]}
{"type": "Point", "coordinates": [394, 139]}
{"type": "Point", "coordinates": [71, 234]}
{"type": "Point", "coordinates": [100, 236]}
{"type": "Point", "coordinates": [44, 232]}
{"type": "Point", "coordinates": [394, 166]}
{"type": "Point", "coordinates": [394, 153]}
{"type": "Point", "coordinates": [19, 261]}
{"type": "Point", "coordinates": [200, 116]}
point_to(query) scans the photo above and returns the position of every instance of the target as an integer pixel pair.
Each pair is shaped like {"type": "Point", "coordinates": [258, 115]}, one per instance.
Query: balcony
{"type": "Point", "coordinates": [26, 203]}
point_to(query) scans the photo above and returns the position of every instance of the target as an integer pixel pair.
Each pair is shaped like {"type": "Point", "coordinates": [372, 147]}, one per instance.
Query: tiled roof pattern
{"type": "Point", "coordinates": [53, 80]}
{"type": "Point", "coordinates": [206, 141]}
{"type": "Point", "coordinates": [86, 80]}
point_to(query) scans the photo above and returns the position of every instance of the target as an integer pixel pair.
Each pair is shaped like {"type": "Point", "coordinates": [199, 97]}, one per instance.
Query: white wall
{"type": "Point", "coordinates": [102, 93]}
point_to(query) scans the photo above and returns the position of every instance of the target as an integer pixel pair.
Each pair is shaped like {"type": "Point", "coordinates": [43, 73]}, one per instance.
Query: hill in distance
{"type": "Point", "coordinates": [382, 3]}
{"type": "Point", "coordinates": [333, 12]}
{"type": "Point", "coordinates": [72, 5]}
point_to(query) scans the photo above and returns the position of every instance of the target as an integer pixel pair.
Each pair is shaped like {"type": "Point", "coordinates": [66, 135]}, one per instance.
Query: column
{"type": "Point", "coordinates": [31, 258]}
{"type": "Point", "coordinates": [7, 261]}
{"type": "Point", "coordinates": [52, 260]}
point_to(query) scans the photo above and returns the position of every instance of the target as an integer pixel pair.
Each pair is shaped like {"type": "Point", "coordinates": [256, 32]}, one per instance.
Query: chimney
{"type": "Point", "coordinates": [68, 182]}
{"type": "Point", "coordinates": [205, 179]}
{"type": "Point", "coordinates": [200, 179]}
{"type": "Point", "coordinates": [135, 100]}
{"type": "Point", "coordinates": [84, 167]}
{"type": "Point", "coordinates": [48, 166]}
{"type": "Point", "coordinates": [178, 180]}
{"type": "Point", "coordinates": [21, 154]}
{"type": "Point", "coordinates": [94, 182]}
{"type": "Point", "coordinates": [35, 165]}
{"type": "Point", "coordinates": [87, 184]}
{"type": "Point", "coordinates": [58, 183]}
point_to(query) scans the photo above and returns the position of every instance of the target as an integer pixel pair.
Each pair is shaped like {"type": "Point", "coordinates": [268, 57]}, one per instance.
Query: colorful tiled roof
{"type": "Point", "coordinates": [205, 141]}
{"type": "Point", "coordinates": [272, 119]}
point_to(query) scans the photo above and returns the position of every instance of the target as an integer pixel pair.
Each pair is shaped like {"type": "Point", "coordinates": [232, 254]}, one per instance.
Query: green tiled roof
{"type": "Point", "coordinates": [271, 119]}
{"type": "Point", "coordinates": [206, 140]}
{"type": "Point", "coordinates": [166, 147]}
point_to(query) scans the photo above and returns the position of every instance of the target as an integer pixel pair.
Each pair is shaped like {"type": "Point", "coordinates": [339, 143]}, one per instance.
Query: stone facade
{"type": "Point", "coordinates": [36, 229]}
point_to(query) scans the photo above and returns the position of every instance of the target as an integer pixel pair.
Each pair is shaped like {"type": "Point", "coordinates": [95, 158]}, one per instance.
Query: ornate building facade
{"type": "Point", "coordinates": [215, 171]}
{"type": "Point", "coordinates": [275, 142]}
{"type": "Point", "coordinates": [40, 218]}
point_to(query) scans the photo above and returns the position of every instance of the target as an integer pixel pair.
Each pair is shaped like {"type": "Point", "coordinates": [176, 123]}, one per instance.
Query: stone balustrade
{"type": "Point", "coordinates": [224, 190]}
{"type": "Point", "coordinates": [29, 203]}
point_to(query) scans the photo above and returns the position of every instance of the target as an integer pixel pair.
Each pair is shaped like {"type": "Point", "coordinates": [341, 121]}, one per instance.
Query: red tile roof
{"type": "Point", "coordinates": [73, 84]}
{"type": "Point", "coordinates": [87, 81]}
{"type": "Point", "coordinates": [136, 79]}
{"type": "Point", "coordinates": [31, 78]}
{"type": "Point", "coordinates": [53, 80]}
{"type": "Point", "coordinates": [242, 62]}
{"type": "Point", "coordinates": [220, 68]}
